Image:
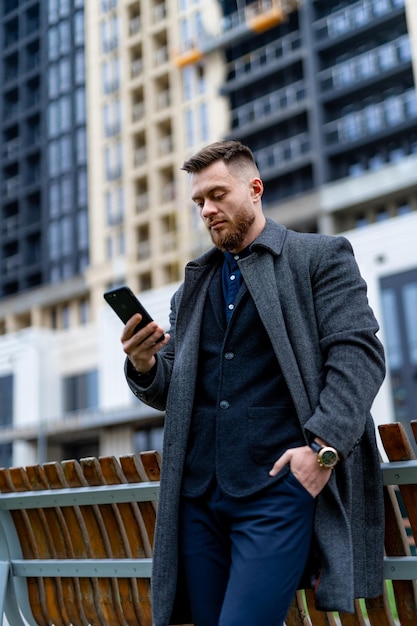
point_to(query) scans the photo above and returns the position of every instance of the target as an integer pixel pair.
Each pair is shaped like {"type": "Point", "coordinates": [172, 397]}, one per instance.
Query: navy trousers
{"type": "Point", "coordinates": [244, 557]}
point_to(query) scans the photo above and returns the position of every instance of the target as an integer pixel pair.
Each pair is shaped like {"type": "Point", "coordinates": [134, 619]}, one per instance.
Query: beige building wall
{"type": "Point", "coordinates": [146, 115]}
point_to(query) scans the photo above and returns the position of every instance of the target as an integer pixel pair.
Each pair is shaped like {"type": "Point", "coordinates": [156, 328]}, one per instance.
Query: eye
{"type": "Point", "coordinates": [218, 197]}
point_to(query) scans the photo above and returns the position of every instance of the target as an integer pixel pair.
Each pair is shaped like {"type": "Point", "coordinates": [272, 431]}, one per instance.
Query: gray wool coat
{"type": "Point", "coordinates": [312, 301]}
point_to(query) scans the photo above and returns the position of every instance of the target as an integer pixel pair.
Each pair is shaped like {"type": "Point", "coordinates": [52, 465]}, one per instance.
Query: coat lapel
{"type": "Point", "coordinates": [261, 275]}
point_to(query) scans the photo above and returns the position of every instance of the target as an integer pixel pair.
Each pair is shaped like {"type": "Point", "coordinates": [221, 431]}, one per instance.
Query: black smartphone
{"type": "Point", "coordinates": [125, 304]}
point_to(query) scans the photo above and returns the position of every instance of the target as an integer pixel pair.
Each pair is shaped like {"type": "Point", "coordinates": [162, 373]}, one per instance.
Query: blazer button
{"type": "Point", "coordinates": [229, 356]}
{"type": "Point", "coordinates": [224, 404]}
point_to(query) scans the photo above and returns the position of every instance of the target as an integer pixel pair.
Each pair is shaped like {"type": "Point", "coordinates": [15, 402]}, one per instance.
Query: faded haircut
{"type": "Point", "coordinates": [231, 152]}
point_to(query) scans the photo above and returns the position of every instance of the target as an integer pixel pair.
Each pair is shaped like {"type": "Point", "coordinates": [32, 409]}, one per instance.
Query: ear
{"type": "Point", "coordinates": [257, 188]}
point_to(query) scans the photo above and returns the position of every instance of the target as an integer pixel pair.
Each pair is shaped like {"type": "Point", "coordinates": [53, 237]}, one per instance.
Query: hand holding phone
{"type": "Point", "coordinates": [125, 304]}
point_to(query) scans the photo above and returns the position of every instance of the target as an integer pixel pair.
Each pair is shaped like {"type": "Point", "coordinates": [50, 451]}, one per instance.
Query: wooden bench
{"type": "Point", "coordinates": [76, 543]}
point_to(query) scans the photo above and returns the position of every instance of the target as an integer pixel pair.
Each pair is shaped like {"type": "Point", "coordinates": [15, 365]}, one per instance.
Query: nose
{"type": "Point", "coordinates": [209, 208]}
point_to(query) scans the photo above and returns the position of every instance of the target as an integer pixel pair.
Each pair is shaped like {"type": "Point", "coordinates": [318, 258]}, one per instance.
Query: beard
{"type": "Point", "coordinates": [232, 238]}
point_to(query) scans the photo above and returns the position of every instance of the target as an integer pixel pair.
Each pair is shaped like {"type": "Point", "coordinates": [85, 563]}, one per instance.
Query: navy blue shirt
{"type": "Point", "coordinates": [232, 279]}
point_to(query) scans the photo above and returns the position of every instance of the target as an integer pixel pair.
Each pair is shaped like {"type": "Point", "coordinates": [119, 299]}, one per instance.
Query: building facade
{"type": "Point", "coordinates": [101, 103]}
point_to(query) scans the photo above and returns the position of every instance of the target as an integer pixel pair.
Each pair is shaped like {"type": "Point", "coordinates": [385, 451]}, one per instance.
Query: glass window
{"type": "Point", "coordinates": [82, 228]}
{"type": "Point", "coordinates": [352, 127]}
{"type": "Point", "coordinates": [65, 147]}
{"type": "Point", "coordinates": [53, 119]}
{"type": "Point", "coordinates": [79, 28]}
{"type": "Point", "coordinates": [381, 6]}
{"type": "Point", "coordinates": [187, 82]}
{"type": "Point", "coordinates": [409, 294]}
{"type": "Point", "coordinates": [67, 272]}
{"type": "Point", "coordinates": [109, 248]}
{"type": "Point", "coordinates": [392, 334]}
{"type": "Point", "coordinates": [53, 81]}
{"type": "Point", "coordinates": [53, 43]}
{"type": "Point", "coordinates": [367, 65]}
{"type": "Point", "coordinates": [53, 11]}
{"type": "Point", "coordinates": [64, 75]}
{"type": "Point", "coordinates": [388, 58]}
{"type": "Point", "coordinates": [410, 101]}
{"type": "Point", "coordinates": [122, 243]}
{"type": "Point", "coordinates": [82, 188]}
{"type": "Point", "coordinates": [67, 241]}
{"type": "Point", "coordinates": [80, 108]}
{"type": "Point", "coordinates": [81, 145]}
{"type": "Point", "coordinates": [6, 400]}
{"type": "Point", "coordinates": [65, 316]}
{"type": "Point", "coordinates": [80, 67]}
{"type": "Point", "coordinates": [84, 312]}
{"type": "Point", "coordinates": [404, 48]}
{"type": "Point", "coordinates": [374, 117]}
{"type": "Point", "coordinates": [121, 201]}
{"type": "Point", "coordinates": [65, 114]}
{"type": "Point", "coordinates": [81, 391]}
{"type": "Point", "coordinates": [404, 209]}
{"type": "Point", "coordinates": [150, 439]}
{"type": "Point", "coordinates": [54, 244]}
{"type": "Point", "coordinates": [54, 209]}
{"type": "Point", "coordinates": [64, 37]}
{"type": "Point", "coordinates": [66, 194]}
{"type": "Point", "coordinates": [189, 128]}
{"type": "Point", "coordinates": [64, 8]}
{"type": "Point", "coordinates": [204, 122]}
{"type": "Point", "coordinates": [53, 154]}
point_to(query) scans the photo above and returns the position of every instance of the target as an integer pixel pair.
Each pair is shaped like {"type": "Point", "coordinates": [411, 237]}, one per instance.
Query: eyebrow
{"type": "Point", "coordinates": [211, 191]}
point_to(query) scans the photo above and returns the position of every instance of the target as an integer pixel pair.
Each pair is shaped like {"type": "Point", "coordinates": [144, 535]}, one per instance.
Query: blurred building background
{"type": "Point", "coordinates": [100, 104]}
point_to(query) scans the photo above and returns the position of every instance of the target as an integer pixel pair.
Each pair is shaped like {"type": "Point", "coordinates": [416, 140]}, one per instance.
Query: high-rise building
{"type": "Point", "coordinates": [43, 163]}
{"type": "Point", "coordinates": [102, 101]}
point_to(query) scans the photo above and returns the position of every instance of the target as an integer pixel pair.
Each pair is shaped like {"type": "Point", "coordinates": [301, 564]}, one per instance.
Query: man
{"type": "Point", "coordinates": [267, 375]}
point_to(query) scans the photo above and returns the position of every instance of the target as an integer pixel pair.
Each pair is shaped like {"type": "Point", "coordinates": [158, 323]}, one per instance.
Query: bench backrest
{"type": "Point", "coordinates": [76, 543]}
{"type": "Point", "coordinates": [80, 534]}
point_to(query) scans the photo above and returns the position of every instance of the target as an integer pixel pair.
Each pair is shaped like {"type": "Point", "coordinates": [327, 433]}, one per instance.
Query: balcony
{"type": "Point", "coordinates": [12, 185]}
{"type": "Point", "coordinates": [385, 115]}
{"type": "Point", "coordinates": [355, 16]}
{"type": "Point", "coordinates": [370, 64]}
{"type": "Point", "coordinates": [272, 104]}
{"type": "Point", "coordinates": [285, 49]}
{"type": "Point", "coordinates": [283, 153]}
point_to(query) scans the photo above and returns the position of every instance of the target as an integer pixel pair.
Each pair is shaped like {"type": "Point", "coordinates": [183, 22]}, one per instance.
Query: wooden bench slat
{"type": "Point", "coordinates": [97, 547]}
{"type": "Point", "coordinates": [26, 524]}
{"type": "Point", "coordinates": [353, 619]}
{"type": "Point", "coordinates": [398, 448]}
{"type": "Point", "coordinates": [379, 611]}
{"type": "Point", "coordinates": [136, 540]}
{"type": "Point", "coordinates": [50, 531]}
{"type": "Point", "coordinates": [114, 540]}
{"type": "Point", "coordinates": [134, 470]}
{"type": "Point", "coordinates": [77, 545]}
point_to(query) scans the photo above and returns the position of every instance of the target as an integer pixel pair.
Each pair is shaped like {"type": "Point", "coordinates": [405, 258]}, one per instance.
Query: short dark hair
{"type": "Point", "coordinates": [231, 151]}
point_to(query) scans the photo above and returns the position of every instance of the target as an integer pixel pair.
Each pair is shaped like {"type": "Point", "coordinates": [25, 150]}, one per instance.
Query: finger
{"type": "Point", "coordinates": [279, 464]}
{"type": "Point", "coordinates": [130, 326]}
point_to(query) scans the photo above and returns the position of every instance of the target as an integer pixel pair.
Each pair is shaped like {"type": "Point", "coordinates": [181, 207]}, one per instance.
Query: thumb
{"type": "Point", "coordinates": [280, 463]}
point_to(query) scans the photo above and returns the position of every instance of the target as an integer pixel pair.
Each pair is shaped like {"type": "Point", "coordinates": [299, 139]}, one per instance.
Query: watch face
{"type": "Point", "coordinates": [328, 457]}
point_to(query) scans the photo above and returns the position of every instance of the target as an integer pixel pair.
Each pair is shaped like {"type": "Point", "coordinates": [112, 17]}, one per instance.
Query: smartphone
{"type": "Point", "coordinates": [125, 304]}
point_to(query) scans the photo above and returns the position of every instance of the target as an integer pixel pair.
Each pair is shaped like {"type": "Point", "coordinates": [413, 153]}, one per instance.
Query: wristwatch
{"type": "Point", "coordinates": [327, 456]}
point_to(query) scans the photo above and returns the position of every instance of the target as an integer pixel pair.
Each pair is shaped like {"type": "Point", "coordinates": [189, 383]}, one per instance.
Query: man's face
{"type": "Point", "coordinates": [229, 204]}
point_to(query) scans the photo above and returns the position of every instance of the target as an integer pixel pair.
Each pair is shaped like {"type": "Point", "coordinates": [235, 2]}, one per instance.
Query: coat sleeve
{"type": "Point", "coordinates": [153, 390]}
{"type": "Point", "coordinates": [353, 356]}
